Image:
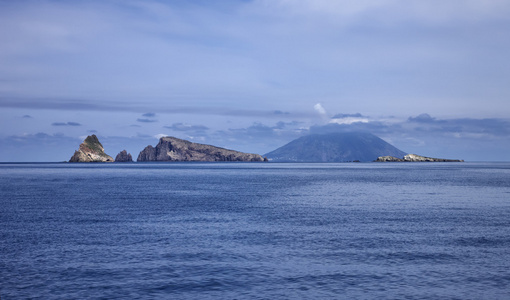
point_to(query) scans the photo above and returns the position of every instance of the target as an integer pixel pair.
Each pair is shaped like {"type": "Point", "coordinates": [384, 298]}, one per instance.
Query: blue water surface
{"type": "Point", "coordinates": [255, 231]}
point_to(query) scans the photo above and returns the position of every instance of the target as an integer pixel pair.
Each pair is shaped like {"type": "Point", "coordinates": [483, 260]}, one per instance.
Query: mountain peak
{"type": "Point", "coordinates": [91, 150]}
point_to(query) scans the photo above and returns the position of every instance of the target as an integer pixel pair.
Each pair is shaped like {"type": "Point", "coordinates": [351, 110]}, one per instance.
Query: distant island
{"type": "Point", "coordinates": [174, 149]}
{"type": "Point", "coordinates": [415, 158]}
{"type": "Point", "coordinates": [332, 147]}
{"type": "Point", "coordinates": [168, 149]}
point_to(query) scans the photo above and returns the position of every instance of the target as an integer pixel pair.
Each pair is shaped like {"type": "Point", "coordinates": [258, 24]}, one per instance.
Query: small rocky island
{"type": "Point", "coordinates": [174, 149]}
{"type": "Point", "coordinates": [91, 150]}
{"type": "Point", "coordinates": [415, 158]}
{"type": "Point", "coordinates": [123, 156]}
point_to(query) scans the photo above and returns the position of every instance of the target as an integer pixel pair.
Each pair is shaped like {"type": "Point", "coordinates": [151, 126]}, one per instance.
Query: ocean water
{"type": "Point", "coordinates": [255, 231]}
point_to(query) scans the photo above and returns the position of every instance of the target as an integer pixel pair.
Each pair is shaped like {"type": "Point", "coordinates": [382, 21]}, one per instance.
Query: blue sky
{"type": "Point", "coordinates": [430, 77]}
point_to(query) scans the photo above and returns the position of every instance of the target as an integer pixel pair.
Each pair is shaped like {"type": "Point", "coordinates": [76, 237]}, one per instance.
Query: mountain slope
{"type": "Point", "coordinates": [334, 147]}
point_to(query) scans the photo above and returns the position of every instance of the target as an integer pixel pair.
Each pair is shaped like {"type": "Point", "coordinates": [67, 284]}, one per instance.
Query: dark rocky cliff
{"type": "Point", "coordinates": [91, 150]}
{"type": "Point", "coordinates": [174, 149]}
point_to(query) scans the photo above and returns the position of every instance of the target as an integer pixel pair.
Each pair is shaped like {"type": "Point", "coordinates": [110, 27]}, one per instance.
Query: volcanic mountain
{"type": "Point", "coordinates": [334, 147]}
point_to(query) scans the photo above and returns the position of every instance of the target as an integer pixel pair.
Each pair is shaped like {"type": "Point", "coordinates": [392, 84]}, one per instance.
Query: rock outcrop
{"type": "Point", "coordinates": [415, 158]}
{"type": "Point", "coordinates": [123, 156]}
{"type": "Point", "coordinates": [388, 159]}
{"type": "Point", "coordinates": [174, 149]}
{"type": "Point", "coordinates": [91, 150]}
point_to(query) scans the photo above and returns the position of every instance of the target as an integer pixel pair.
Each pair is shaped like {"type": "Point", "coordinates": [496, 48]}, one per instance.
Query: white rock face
{"type": "Point", "coordinates": [91, 150]}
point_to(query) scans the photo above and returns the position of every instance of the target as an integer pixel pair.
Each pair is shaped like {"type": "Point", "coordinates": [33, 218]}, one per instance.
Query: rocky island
{"type": "Point", "coordinates": [415, 158]}
{"type": "Point", "coordinates": [174, 149]}
{"type": "Point", "coordinates": [91, 150]}
{"type": "Point", "coordinates": [123, 156]}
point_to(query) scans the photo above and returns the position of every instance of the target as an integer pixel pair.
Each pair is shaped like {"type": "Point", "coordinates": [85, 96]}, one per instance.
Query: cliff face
{"type": "Point", "coordinates": [415, 158]}
{"type": "Point", "coordinates": [91, 150]}
{"type": "Point", "coordinates": [123, 156]}
{"type": "Point", "coordinates": [174, 149]}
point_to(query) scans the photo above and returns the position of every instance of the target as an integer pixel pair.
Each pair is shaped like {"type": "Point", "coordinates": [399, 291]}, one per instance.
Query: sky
{"type": "Point", "coordinates": [430, 77]}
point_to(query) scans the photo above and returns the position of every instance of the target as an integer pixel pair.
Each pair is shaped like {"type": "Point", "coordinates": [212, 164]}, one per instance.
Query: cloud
{"type": "Point", "coordinates": [50, 147]}
{"type": "Point", "coordinates": [318, 108]}
{"type": "Point", "coordinates": [149, 115]}
{"type": "Point", "coordinates": [325, 50]}
{"type": "Point", "coordinates": [65, 124]}
{"type": "Point", "coordinates": [279, 112]}
{"type": "Point", "coordinates": [186, 127]}
{"type": "Point", "coordinates": [349, 119]}
{"type": "Point", "coordinates": [146, 120]}
{"type": "Point", "coordinates": [401, 10]}
{"type": "Point", "coordinates": [92, 131]}
{"type": "Point", "coordinates": [27, 117]}
{"type": "Point", "coordinates": [91, 105]}
{"type": "Point", "coordinates": [421, 125]}
{"type": "Point", "coordinates": [422, 118]}
{"type": "Point", "coordinates": [487, 127]}
{"type": "Point", "coordinates": [261, 131]}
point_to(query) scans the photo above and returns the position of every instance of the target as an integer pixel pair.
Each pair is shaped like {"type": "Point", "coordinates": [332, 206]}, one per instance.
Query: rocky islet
{"type": "Point", "coordinates": [91, 150]}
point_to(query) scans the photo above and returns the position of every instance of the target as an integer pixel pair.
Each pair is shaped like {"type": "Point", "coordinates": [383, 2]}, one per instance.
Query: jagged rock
{"type": "Point", "coordinates": [388, 159]}
{"type": "Point", "coordinates": [123, 156]}
{"type": "Point", "coordinates": [174, 149]}
{"type": "Point", "coordinates": [91, 150]}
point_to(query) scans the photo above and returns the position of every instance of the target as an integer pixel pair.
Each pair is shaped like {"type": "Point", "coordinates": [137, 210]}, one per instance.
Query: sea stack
{"type": "Point", "coordinates": [91, 150]}
{"type": "Point", "coordinates": [123, 156]}
{"type": "Point", "coordinates": [174, 149]}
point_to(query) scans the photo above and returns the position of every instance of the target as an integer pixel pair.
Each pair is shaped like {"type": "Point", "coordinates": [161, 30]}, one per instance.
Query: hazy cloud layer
{"type": "Point", "coordinates": [65, 124]}
{"type": "Point", "coordinates": [146, 120]}
{"type": "Point", "coordinates": [243, 54]}
{"type": "Point", "coordinates": [186, 127]}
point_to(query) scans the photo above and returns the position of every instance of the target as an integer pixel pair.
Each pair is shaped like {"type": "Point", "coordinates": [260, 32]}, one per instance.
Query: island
{"type": "Point", "coordinates": [91, 150]}
{"type": "Point", "coordinates": [414, 158]}
{"type": "Point", "coordinates": [174, 149]}
{"type": "Point", "coordinates": [123, 156]}
{"type": "Point", "coordinates": [334, 147]}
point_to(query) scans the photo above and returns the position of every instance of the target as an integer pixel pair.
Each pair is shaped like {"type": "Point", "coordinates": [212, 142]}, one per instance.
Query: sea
{"type": "Point", "coordinates": [255, 231]}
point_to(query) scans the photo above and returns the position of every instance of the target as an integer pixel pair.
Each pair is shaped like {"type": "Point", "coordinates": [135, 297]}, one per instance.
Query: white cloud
{"type": "Point", "coordinates": [392, 11]}
{"type": "Point", "coordinates": [318, 107]}
{"type": "Point", "coordinates": [349, 120]}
